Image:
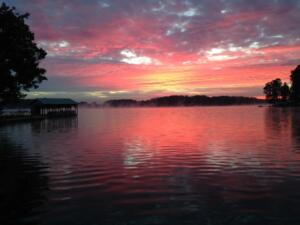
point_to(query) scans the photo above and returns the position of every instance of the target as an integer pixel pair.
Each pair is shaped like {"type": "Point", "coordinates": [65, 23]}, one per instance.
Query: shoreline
{"type": "Point", "coordinates": [285, 104]}
{"type": "Point", "coordinates": [19, 119]}
{"type": "Point", "coordinates": [15, 119]}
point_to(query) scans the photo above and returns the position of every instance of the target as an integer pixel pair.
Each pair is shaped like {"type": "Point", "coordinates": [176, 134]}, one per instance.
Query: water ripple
{"type": "Point", "coordinates": [154, 166]}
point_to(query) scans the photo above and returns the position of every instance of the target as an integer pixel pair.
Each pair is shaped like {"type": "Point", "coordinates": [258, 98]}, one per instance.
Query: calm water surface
{"type": "Point", "coordinates": [209, 165]}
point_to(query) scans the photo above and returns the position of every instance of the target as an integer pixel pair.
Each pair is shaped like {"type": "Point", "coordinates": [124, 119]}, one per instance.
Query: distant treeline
{"type": "Point", "coordinates": [179, 100]}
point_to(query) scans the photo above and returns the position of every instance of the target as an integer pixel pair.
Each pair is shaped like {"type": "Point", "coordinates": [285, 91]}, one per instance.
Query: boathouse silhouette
{"type": "Point", "coordinates": [54, 107]}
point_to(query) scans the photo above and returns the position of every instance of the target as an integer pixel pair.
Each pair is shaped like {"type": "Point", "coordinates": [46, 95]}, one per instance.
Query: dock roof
{"type": "Point", "coordinates": [55, 101]}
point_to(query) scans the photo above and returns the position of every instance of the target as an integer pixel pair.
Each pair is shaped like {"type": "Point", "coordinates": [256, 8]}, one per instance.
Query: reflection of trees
{"type": "Point", "coordinates": [55, 124]}
{"type": "Point", "coordinates": [295, 125]}
{"type": "Point", "coordinates": [23, 185]}
{"type": "Point", "coordinates": [283, 124]}
{"type": "Point", "coordinates": [277, 121]}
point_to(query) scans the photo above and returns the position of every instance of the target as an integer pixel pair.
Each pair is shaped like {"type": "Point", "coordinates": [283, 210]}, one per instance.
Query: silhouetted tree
{"type": "Point", "coordinates": [295, 88]}
{"type": "Point", "coordinates": [268, 90]}
{"type": "Point", "coordinates": [19, 55]}
{"type": "Point", "coordinates": [285, 92]}
{"type": "Point", "coordinates": [272, 90]}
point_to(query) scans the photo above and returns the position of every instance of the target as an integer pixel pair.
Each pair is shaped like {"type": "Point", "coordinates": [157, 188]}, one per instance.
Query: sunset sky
{"type": "Point", "coordinates": [108, 49]}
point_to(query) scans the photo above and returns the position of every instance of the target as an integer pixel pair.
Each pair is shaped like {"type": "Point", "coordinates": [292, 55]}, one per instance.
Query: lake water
{"type": "Point", "coordinates": [200, 165]}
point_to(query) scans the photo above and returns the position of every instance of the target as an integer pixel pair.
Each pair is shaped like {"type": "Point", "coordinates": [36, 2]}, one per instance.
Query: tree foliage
{"type": "Point", "coordinates": [19, 55]}
{"type": "Point", "coordinates": [295, 88]}
{"type": "Point", "coordinates": [273, 90]}
{"type": "Point", "coordinates": [285, 92]}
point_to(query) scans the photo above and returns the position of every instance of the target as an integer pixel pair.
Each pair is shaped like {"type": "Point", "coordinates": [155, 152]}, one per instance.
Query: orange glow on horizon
{"type": "Point", "coordinates": [157, 47]}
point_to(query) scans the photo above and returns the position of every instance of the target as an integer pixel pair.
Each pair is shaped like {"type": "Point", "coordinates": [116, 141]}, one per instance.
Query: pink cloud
{"type": "Point", "coordinates": [175, 46]}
